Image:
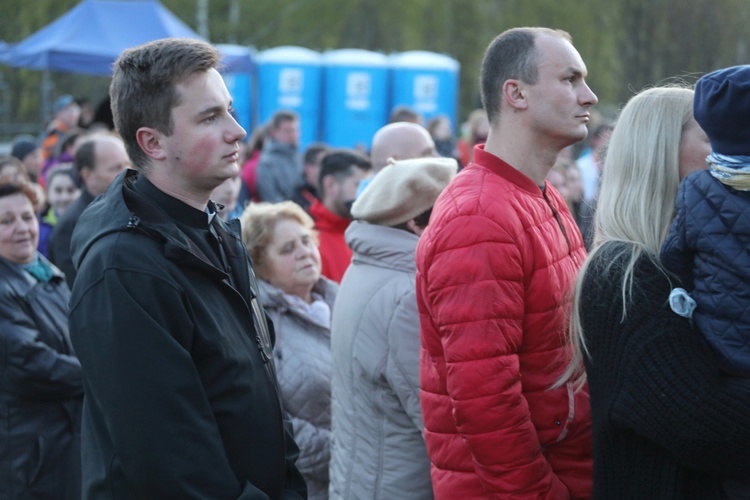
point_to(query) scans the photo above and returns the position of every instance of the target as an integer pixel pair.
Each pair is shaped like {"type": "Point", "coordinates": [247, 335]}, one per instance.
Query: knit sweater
{"type": "Point", "coordinates": [665, 424]}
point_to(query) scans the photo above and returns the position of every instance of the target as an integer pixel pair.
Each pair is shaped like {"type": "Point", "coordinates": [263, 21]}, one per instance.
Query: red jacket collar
{"type": "Point", "coordinates": [505, 170]}
{"type": "Point", "coordinates": [326, 220]}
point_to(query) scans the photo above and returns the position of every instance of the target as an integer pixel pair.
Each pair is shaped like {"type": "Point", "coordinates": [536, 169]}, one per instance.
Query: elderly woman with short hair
{"type": "Point", "coordinates": [283, 247]}
{"type": "Point", "coordinates": [42, 389]}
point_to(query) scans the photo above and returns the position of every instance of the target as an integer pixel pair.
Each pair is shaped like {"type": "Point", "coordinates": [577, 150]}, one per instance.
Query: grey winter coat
{"type": "Point", "coordinates": [303, 365]}
{"type": "Point", "coordinates": [279, 172]}
{"type": "Point", "coordinates": [377, 449]}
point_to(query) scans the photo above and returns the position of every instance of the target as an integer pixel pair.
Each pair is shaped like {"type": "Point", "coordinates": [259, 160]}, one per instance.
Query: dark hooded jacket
{"type": "Point", "coordinates": [41, 390]}
{"type": "Point", "coordinates": [181, 394]}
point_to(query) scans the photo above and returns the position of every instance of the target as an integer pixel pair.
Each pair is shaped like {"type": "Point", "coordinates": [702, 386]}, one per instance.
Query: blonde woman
{"type": "Point", "coordinates": [284, 251]}
{"type": "Point", "coordinates": [664, 424]}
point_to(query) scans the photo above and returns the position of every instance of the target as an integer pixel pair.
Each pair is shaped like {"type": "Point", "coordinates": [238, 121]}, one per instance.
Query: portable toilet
{"type": "Point", "coordinates": [427, 82]}
{"type": "Point", "coordinates": [289, 79]}
{"type": "Point", "coordinates": [355, 96]}
{"type": "Point", "coordinates": [237, 66]}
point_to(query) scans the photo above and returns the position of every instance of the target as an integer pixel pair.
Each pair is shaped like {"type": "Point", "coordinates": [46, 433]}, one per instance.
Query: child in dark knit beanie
{"type": "Point", "coordinates": [709, 241]}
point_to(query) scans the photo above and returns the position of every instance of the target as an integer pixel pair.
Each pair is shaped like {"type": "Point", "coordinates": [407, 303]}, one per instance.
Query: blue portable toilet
{"type": "Point", "coordinates": [289, 79]}
{"type": "Point", "coordinates": [355, 96]}
{"type": "Point", "coordinates": [427, 82]}
{"type": "Point", "coordinates": [237, 66]}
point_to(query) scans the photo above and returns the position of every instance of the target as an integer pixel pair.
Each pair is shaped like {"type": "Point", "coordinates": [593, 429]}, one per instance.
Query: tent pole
{"type": "Point", "coordinates": [202, 18]}
{"type": "Point", "coordinates": [47, 88]}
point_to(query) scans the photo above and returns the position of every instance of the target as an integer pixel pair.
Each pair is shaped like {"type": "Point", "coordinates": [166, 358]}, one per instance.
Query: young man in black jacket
{"type": "Point", "coordinates": [181, 393]}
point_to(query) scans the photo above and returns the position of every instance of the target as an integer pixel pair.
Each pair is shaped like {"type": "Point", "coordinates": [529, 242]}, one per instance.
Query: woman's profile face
{"type": "Point", "coordinates": [19, 229]}
{"type": "Point", "coordinates": [694, 147]}
{"type": "Point", "coordinates": [291, 260]}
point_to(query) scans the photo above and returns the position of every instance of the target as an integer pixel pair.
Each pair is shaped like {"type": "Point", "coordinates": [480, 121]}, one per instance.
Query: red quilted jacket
{"type": "Point", "coordinates": [495, 270]}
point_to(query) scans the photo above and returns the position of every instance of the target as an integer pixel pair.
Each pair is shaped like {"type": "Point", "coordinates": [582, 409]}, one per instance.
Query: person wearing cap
{"type": "Point", "coordinates": [66, 115]}
{"type": "Point", "coordinates": [27, 150]}
{"type": "Point", "coordinates": [494, 269]}
{"type": "Point", "coordinates": [708, 241]}
{"type": "Point", "coordinates": [377, 448]}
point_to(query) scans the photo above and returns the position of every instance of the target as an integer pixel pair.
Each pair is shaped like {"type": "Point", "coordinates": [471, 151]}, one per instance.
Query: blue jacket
{"type": "Point", "coordinates": [709, 248]}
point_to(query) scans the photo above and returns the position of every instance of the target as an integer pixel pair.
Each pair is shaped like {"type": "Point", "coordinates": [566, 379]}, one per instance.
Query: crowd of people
{"type": "Point", "coordinates": [188, 312]}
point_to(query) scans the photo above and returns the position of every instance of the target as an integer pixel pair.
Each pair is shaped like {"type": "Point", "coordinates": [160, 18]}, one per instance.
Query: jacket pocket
{"type": "Point", "coordinates": [37, 455]}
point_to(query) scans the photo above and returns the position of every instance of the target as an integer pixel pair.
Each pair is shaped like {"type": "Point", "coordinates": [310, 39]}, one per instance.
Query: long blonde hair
{"type": "Point", "coordinates": [637, 194]}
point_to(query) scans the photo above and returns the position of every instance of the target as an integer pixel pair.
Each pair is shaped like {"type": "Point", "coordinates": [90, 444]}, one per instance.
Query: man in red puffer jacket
{"type": "Point", "coordinates": [495, 268]}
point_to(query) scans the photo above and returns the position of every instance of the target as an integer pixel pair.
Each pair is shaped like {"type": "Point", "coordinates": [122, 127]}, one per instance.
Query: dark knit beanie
{"type": "Point", "coordinates": [721, 107]}
{"type": "Point", "coordinates": [22, 147]}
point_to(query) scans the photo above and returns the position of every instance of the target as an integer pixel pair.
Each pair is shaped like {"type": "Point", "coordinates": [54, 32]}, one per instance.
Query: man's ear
{"type": "Point", "coordinates": [514, 93]}
{"type": "Point", "coordinates": [151, 142]}
{"type": "Point", "coordinates": [414, 228]}
{"type": "Point", "coordinates": [328, 183]}
{"type": "Point", "coordinates": [84, 173]}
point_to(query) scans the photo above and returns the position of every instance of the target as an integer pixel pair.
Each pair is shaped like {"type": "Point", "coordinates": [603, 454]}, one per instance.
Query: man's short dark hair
{"type": "Point", "coordinates": [340, 163]}
{"type": "Point", "coordinates": [143, 89]}
{"type": "Point", "coordinates": [512, 55]}
{"type": "Point", "coordinates": [312, 152]}
{"type": "Point", "coordinates": [403, 114]}
{"type": "Point", "coordinates": [85, 155]}
{"type": "Point", "coordinates": [281, 117]}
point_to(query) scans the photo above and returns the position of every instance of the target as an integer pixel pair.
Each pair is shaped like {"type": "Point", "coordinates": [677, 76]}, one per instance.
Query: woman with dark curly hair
{"type": "Point", "coordinates": [41, 389]}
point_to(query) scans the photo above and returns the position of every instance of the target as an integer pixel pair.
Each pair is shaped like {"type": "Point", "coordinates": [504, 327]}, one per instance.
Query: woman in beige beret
{"type": "Point", "coordinates": [377, 449]}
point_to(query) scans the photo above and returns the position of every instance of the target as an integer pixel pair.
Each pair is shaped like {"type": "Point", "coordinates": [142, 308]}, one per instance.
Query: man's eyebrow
{"type": "Point", "coordinates": [577, 72]}
{"type": "Point", "coordinates": [210, 109]}
{"type": "Point", "coordinates": [214, 109]}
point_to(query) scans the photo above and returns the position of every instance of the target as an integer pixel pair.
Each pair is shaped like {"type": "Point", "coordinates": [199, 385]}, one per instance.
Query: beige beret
{"type": "Point", "coordinates": [403, 190]}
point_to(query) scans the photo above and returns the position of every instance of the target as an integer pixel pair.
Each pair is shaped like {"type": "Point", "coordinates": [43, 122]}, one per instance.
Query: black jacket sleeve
{"type": "Point", "coordinates": [294, 483]}
{"type": "Point", "coordinates": [31, 368]}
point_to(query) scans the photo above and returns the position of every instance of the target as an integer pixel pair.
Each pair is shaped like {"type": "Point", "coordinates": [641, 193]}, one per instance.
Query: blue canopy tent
{"type": "Point", "coordinates": [89, 37]}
